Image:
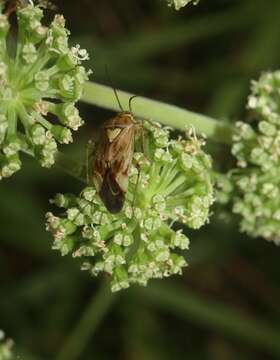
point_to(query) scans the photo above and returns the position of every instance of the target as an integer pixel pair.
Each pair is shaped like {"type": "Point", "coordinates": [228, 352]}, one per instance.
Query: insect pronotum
{"type": "Point", "coordinates": [113, 158]}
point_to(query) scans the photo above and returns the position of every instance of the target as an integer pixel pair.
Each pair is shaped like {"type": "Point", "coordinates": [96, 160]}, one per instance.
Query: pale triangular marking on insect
{"type": "Point", "coordinates": [113, 133]}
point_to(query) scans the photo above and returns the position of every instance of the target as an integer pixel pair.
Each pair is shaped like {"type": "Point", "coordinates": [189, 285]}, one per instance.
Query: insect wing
{"type": "Point", "coordinates": [113, 161]}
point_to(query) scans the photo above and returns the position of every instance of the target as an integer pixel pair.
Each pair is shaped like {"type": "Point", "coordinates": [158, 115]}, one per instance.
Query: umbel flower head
{"type": "Point", "coordinates": [172, 186]}
{"type": "Point", "coordinates": [42, 81]}
{"type": "Point", "coordinates": [178, 4]}
{"type": "Point", "coordinates": [255, 184]}
{"type": "Point", "coordinates": [5, 347]}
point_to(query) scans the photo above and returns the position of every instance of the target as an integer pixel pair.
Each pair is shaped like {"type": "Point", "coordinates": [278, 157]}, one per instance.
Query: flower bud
{"type": "Point", "coordinates": [62, 134]}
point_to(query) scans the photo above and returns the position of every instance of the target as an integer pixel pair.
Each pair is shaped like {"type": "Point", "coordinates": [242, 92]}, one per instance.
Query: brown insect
{"type": "Point", "coordinates": [113, 158]}
{"type": "Point", "coordinates": [13, 5]}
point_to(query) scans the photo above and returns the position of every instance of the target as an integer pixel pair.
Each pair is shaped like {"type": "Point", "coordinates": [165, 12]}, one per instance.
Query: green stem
{"type": "Point", "coordinates": [214, 315]}
{"type": "Point", "coordinates": [166, 114]}
{"type": "Point", "coordinates": [91, 318]}
{"type": "Point", "coordinates": [170, 115]}
{"type": "Point", "coordinates": [41, 120]}
{"type": "Point", "coordinates": [24, 117]}
{"type": "Point", "coordinates": [12, 116]}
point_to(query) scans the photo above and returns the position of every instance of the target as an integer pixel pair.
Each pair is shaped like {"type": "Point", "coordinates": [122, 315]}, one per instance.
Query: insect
{"type": "Point", "coordinates": [13, 5]}
{"type": "Point", "coordinates": [113, 158]}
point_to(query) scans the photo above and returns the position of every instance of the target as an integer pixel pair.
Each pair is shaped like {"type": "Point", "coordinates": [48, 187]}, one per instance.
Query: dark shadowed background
{"type": "Point", "coordinates": [226, 305]}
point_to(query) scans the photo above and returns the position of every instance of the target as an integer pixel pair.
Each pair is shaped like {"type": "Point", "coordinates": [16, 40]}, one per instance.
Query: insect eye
{"type": "Point", "coordinates": [113, 133]}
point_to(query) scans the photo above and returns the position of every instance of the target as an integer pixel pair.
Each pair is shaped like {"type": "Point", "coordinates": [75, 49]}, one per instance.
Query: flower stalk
{"type": "Point", "coordinates": [166, 114]}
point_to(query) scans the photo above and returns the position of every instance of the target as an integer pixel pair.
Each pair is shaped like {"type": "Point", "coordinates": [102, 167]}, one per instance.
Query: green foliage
{"type": "Point", "coordinates": [226, 306]}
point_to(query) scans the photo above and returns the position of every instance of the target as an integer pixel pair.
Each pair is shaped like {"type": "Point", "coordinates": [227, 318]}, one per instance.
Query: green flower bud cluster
{"type": "Point", "coordinates": [5, 347]}
{"type": "Point", "coordinates": [178, 4]}
{"type": "Point", "coordinates": [171, 183]}
{"type": "Point", "coordinates": [255, 184]}
{"type": "Point", "coordinates": [39, 87]}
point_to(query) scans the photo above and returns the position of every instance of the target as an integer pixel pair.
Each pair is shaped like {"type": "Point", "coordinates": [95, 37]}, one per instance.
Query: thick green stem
{"type": "Point", "coordinates": [170, 115]}
{"type": "Point", "coordinates": [91, 318]}
{"type": "Point", "coordinates": [166, 114]}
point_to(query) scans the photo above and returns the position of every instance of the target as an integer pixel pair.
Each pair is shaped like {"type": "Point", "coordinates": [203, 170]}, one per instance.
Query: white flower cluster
{"type": "Point", "coordinates": [172, 186]}
{"type": "Point", "coordinates": [178, 4]}
{"type": "Point", "coordinates": [5, 347]}
{"type": "Point", "coordinates": [255, 184]}
{"type": "Point", "coordinates": [39, 87]}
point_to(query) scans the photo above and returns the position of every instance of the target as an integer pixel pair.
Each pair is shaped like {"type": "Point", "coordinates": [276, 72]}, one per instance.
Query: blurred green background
{"type": "Point", "coordinates": [226, 305]}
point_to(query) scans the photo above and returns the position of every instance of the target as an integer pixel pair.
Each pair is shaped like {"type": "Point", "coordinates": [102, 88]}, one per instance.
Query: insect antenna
{"type": "Point", "coordinates": [118, 100]}
{"type": "Point", "coordinates": [113, 87]}
{"type": "Point", "coordinates": [130, 102]}
{"type": "Point", "coordinates": [89, 150]}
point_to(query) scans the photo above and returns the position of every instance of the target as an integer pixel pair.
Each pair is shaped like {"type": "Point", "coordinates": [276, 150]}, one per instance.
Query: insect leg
{"type": "Point", "coordinates": [89, 150]}
{"type": "Point", "coordinates": [138, 166]}
{"type": "Point", "coordinates": [136, 185]}
{"type": "Point", "coordinates": [142, 136]}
